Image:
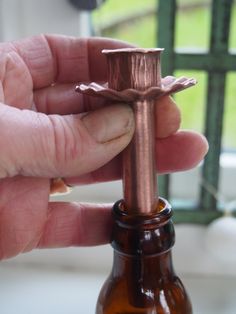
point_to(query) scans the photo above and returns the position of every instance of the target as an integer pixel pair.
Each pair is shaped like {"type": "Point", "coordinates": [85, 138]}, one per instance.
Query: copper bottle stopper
{"type": "Point", "coordinates": [140, 70]}
{"type": "Point", "coordinates": [134, 77]}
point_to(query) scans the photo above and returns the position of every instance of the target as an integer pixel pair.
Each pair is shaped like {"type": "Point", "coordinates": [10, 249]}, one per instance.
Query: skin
{"type": "Point", "coordinates": [48, 131]}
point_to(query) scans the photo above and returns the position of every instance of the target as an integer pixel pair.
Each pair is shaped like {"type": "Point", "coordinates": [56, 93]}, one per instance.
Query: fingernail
{"type": "Point", "coordinates": [109, 123]}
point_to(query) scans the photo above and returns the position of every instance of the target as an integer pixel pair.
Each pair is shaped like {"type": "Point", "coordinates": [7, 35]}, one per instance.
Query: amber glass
{"type": "Point", "coordinates": [142, 280]}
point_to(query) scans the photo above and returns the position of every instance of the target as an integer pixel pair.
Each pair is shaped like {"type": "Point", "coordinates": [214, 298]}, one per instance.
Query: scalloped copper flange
{"type": "Point", "coordinates": [170, 85]}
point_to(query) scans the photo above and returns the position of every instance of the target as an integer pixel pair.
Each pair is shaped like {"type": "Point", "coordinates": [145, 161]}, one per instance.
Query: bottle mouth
{"type": "Point", "coordinates": [160, 217]}
{"type": "Point", "coordinates": [144, 235]}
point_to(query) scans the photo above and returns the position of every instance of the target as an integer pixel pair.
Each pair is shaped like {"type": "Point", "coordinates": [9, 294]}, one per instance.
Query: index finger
{"type": "Point", "coordinates": [62, 59]}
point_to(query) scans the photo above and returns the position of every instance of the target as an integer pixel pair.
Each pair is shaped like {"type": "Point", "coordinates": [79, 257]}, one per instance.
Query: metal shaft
{"type": "Point", "coordinates": [138, 69]}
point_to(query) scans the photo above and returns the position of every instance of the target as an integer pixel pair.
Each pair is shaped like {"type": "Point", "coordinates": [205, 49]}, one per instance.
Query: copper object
{"type": "Point", "coordinates": [134, 77]}
{"type": "Point", "coordinates": [58, 186]}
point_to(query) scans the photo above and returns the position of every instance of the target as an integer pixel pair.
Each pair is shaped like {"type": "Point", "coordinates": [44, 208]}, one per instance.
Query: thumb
{"type": "Point", "coordinates": [35, 144]}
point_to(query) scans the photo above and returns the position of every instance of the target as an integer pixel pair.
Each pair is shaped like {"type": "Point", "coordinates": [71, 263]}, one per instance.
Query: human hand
{"type": "Point", "coordinates": [49, 131]}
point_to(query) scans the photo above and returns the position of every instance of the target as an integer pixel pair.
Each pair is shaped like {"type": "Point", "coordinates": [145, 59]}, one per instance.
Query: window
{"type": "Point", "coordinates": [200, 51]}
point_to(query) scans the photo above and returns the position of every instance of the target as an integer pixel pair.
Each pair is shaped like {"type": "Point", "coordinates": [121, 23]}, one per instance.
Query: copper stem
{"type": "Point", "coordinates": [138, 69]}
{"type": "Point", "coordinates": [139, 170]}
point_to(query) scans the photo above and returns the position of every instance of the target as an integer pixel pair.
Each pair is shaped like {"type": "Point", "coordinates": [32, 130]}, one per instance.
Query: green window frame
{"type": "Point", "coordinates": [217, 61]}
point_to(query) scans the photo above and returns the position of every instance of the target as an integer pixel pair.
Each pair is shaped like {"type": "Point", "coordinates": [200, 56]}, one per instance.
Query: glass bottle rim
{"type": "Point", "coordinates": [158, 218]}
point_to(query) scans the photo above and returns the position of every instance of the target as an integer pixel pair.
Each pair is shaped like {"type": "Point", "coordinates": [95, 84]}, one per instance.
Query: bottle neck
{"type": "Point", "coordinates": [140, 235]}
{"type": "Point", "coordinates": [146, 268]}
{"type": "Point", "coordinates": [143, 243]}
{"type": "Point", "coordinates": [142, 252]}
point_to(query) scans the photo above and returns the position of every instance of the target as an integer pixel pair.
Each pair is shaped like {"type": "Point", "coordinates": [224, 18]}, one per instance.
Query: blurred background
{"type": "Point", "coordinates": [68, 280]}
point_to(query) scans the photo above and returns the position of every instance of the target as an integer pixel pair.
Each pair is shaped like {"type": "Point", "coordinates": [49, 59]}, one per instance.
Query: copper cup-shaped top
{"type": "Point", "coordinates": [134, 68]}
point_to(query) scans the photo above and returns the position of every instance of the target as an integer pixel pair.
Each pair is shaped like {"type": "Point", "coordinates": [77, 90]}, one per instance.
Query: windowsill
{"type": "Point", "coordinates": [30, 290]}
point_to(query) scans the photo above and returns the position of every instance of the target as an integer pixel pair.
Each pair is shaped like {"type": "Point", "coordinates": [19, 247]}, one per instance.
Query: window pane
{"type": "Point", "coordinates": [192, 101]}
{"type": "Point", "coordinates": [229, 131]}
{"type": "Point", "coordinates": [193, 24]}
{"type": "Point", "coordinates": [184, 188]}
{"type": "Point", "coordinates": [133, 21]}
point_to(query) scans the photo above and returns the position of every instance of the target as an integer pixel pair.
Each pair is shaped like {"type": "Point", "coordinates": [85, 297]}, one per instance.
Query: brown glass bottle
{"type": "Point", "coordinates": [142, 280]}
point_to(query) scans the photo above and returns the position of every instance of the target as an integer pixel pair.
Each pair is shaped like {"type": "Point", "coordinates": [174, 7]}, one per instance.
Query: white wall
{"type": "Point", "coordinates": [21, 18]}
